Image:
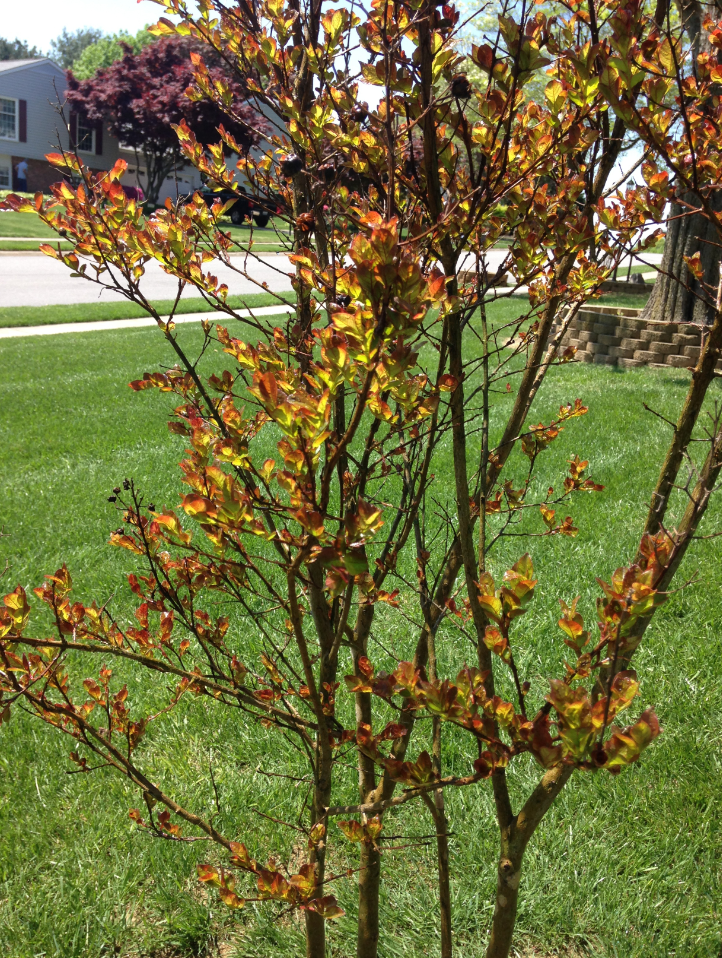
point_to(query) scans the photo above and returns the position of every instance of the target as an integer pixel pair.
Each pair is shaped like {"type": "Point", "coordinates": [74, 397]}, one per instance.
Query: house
{"type": "Point", "coordinates": [32, 94]}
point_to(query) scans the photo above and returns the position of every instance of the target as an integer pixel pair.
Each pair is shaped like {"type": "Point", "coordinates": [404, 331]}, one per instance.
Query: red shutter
{"type": "Point", "coordinates": [99, 138]}
{"type": "Point", "coordinates": [23, 121]}
{"type": "Point", "coordinates": [73, 130]}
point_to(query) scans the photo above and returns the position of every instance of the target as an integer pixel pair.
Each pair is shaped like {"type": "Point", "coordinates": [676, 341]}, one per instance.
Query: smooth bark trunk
{"type": "Point", "coordinates": [438, 815]}
{"type": "Point", "coordinates": [367, 941]}
{"type": "Point", "coordinates": [702, 376]}
{"type": "Point", "coordinates": [508, 877]}
{"type": "Point", "coordinates": [515, 834]}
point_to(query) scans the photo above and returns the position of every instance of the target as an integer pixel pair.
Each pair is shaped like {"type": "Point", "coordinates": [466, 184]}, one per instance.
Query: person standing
{"type": "Point", "coordinates": [21, 171]}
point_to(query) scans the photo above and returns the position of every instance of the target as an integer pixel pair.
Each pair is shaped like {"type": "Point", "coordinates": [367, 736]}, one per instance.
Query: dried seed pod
{"type": "Point", "coordinates": [305, 222]}
{"type": "Point", "coordinates": [343, 301]}
{"type": "Point", "coordinates": [116, 490]}
{"type": "Point", "coordinates": [327, 172]}
{"type": "Point", "coordinates": [359, 113]}
{"type": "Point", "coordinates": [291, 164]}
{"type": "Point", "coordinates": [461, 87]}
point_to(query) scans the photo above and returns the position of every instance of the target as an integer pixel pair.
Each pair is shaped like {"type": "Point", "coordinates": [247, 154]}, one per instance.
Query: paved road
{"type": "Point", "coordinates": [32, 279]}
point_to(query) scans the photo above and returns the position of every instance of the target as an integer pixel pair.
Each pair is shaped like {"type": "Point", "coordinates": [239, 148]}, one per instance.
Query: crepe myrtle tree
{"type": "Point", "coordinates": [142, 96]}
{"type": "Point", "coordinates": [341, 554]}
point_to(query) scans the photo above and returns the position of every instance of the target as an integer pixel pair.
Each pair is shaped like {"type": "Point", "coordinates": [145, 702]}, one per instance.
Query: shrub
{"type": "Point", "coordinates": [389, 369]}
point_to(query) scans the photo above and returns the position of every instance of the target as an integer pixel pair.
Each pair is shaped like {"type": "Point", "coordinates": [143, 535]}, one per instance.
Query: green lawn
{"type": "Point", "coordinates": [625, 867]}
{"type": "Point", "coordinates": [28, 224]}
{"type": "Point", "coordinates": [95, 312]}
{"type": "Point", "coordinates": [23, 224]}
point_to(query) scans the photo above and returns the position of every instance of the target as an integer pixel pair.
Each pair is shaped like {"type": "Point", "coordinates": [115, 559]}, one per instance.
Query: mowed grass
{"type": "Point", "coordinates": [11, 316]}
{"type": "Point", "coordinates": [97, 312]}
{"type": "Point", "coordinates": [624, 867]}
{"type": "Point", "coordinates": [15, 228]}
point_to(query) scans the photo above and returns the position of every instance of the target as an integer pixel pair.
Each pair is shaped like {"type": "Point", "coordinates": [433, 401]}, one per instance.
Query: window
{"type": "Point", "coordinates": [86, 136]}
{"type": "Point", "coordinates": [8, 118]}
{"type": "Point", "coordinates": [5, 182]}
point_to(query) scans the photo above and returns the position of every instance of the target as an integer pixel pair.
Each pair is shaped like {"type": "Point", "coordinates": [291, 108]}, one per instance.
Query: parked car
{"type": "Point", "coordinates": [246, 207]}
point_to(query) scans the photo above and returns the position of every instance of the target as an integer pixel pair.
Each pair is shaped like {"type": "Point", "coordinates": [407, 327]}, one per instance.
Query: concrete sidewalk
{"type": "Point", "coordinates": [16, 332]}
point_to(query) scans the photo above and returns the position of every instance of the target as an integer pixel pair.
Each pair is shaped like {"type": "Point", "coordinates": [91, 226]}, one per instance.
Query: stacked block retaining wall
{"type": "Point", "coordinates": [616, 336]}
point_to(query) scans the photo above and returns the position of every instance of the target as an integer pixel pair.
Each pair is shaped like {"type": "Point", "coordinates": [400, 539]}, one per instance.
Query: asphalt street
{"type": "Point", "coordinates": [33, 279]}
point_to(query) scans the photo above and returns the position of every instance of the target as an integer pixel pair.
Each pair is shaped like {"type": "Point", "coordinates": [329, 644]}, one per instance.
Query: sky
{"type": "Point", "coordinates": [37, 22]}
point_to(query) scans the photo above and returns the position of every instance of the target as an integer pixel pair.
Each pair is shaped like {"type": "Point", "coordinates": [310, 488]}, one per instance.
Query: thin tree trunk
{"type": "Point", "coordinates": [442, 853]}
{"type": "Point", "coordinates": [438, 816]}
{"type": "Point", "coordinates": [508, 877]}
{"type": "Point", "coordinates": [367, 935]}
{"type": "Point", "coordinates": [515, 834]}
{"type": "Point", "coordinates": [702, 376]}
{"type": "Point", "coordinates": [315, 924]}
{"type": "Point", "coordinates": [367, 940]}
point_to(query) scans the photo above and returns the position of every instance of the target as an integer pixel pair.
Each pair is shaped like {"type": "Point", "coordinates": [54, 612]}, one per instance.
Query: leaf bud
{"type": "Point", "coordinates": [460, 87]}
{"type": "Point", "coordinates": [291, 164]}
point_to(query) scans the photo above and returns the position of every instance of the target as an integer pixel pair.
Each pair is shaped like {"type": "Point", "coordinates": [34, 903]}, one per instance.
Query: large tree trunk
{"type": "Point", "coordinates": [677, 295]}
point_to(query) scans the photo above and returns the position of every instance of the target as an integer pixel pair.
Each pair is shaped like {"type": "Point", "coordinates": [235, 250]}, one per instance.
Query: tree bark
{"type": "Point", "coordinates": [508, 877]}
{"type": "Point", "coordinates": [438, 815]}
{"type": "Point", "coordinates": [367, 935]}
{"type": "Point", "coordinates": [678, 296]}
{"type": "Point", "coordinates": [702, 377]}
{"type": "Point", "coordinates": [367, 940]}
{"type": "Point", "coordinates": [515, 834]}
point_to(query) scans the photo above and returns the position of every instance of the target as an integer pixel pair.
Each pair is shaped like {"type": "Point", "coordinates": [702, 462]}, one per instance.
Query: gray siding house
{"type": "Point", "coordinates": [31, 94]}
